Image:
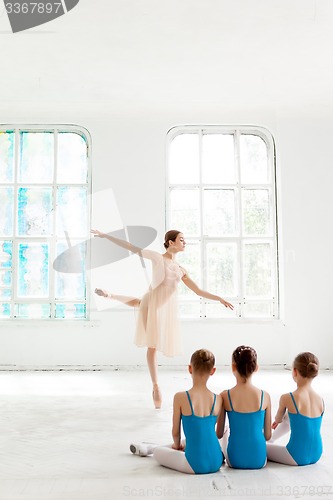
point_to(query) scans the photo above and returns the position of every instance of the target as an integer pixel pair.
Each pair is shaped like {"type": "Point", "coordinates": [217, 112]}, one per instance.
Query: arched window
{"type": "Point", "coordinates": [221, 194]}
{"type": "Point", "coordinates": [44, 199]}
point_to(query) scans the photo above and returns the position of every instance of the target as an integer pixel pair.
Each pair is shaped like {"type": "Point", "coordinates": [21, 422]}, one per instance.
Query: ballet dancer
{"type": "Point", "coordinates": [197, 410]}
{"type": "Point", "coordinates": [157, 324]}
{"type": "Point", "coordinates": [249, 414]}
{"type": "Point", "coordinates": [300, 413]}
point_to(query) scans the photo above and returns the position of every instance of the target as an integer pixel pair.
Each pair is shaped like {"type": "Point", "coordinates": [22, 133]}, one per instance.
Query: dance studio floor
{"type": "Point", "coordinates": [66, 436]}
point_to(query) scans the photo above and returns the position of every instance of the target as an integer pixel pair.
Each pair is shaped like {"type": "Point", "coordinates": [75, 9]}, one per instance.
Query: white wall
{"type": "Point", "coordinates": [305, 202]}
{"type": "Point", "coordinates": [129, 153]}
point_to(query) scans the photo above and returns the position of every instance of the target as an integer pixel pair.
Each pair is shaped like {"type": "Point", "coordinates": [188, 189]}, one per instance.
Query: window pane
{"type": "Point", "coordinates": [5, 278]}
{"type": "Point", "coordinates": [70, 311]}
{"type": "Point", "coordinates": [73, 260]}
{"type": "Point", "coordinates": [72, 158]}
{"type": "Point", "coordinates": [190, 261]}
{"type": "Point", "coordinates": [34, 211]}
{"type": "Point", "coordinates": [6, 250]}
{"type": "Point", "coordinates": [5, 293]}
{"type": "Point", "coordinates": [5, 310]}
{"type": "Point", "coordinates": [218, 159]}
{"type": "Point", "coordinates": [184, 159]}
{"type": "Point", "coordinates": [258, 310]}
{"type": "Point", "coordinates": [185, 211]}
{"type": "Point", "coordinates": [221, 268]}
{"type": "Point", "coordinates": [6, 211]}
{"type": "Point", "coordinates": [223, 200]}
{"type": "Point", "coordinates": [70, 285]}
{"type": "Point", "coordinates": [36, 157]}
{"type": "Point", "coordinates": [41, 213]}
{"type": "Point", "coordinates": [7, 156]}
{"type": "Point", "coordinates": [72, 211]}
{"type": "Point", "coordinates": [219, 216]}
{"type": "Point", "coordinates": [256, 212]}
{"type": "Point", "coordinates": [217, 310]}
{"type": "Point", "coordinates": [32, 311]}
{"type": "Point", "coordinates": [190, 309]}
{"type": "Point", "coordinates": [253, 159]}
{"type": "Point", "coordinates": [258, 270]}
{"type": "Point", "coordinates": [5, 284]}
{"type": "Point", "coordinates": [33, 270]}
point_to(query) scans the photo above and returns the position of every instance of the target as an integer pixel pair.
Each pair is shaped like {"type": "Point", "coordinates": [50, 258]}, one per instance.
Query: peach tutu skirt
{"type": "Point", "coordinates": [158, 324]}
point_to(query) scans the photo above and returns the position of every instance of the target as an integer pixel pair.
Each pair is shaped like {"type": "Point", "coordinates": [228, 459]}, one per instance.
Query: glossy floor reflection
{"type": "Point", "coordinates": [66, 436]}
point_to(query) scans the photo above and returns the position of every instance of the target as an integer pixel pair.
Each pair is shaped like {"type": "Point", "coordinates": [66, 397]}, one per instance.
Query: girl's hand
{"type": "Point", "coordinates": [181, 447]}
{"type": "Point", "coordinates": [275, 424]}
{"type": "Point", "coordinates": [97, 233]}
{"type": "Point", "coordinates": [226, 304]}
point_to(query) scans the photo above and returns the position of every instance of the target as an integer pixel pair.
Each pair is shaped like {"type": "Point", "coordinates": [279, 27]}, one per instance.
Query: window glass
{"type": "Point", "coordinates": [44, 188]}
{"type": "Point", "coordinates": [221, 195]}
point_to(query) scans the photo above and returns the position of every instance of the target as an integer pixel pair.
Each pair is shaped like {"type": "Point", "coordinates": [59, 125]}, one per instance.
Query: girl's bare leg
{"type": "Point", "coordinates": [152, 365]}
{"type": "Point", "coordinates": [151, 352]}
{"type": "Point", "coordinates": [124, 299]}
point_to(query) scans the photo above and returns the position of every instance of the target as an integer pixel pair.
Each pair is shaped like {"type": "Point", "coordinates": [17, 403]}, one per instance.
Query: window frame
{"type": "Point", "coordinates": [240, 301]}
{"type": "Point", "coordinates": [49, 239]}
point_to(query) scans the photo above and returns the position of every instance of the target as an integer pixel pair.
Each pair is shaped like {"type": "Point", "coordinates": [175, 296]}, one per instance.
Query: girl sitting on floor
{"type": "Point", "coordinates": [249, 414]}
{"type": "Point", "coordinates": [300, 413]}
{"type": "Point", "coordinates": [197, 410]}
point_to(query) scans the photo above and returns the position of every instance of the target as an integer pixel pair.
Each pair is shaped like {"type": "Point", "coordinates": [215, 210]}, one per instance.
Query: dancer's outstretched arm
{"type": "Point", "coordinates": [117, 241]}
{"type": "Point", "coordinates": [143, 252]}
{"type": "Point", "coordinates": [202, 293]}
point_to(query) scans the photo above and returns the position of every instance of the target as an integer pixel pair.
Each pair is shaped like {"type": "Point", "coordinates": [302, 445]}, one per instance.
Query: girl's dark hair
{"type": "Point", "coordinates": [170, 235]}
{"type": "Point", "coordinates": [203, 361]}
{"type": "Point", "coordinates": [245, 359]}
{"type": "Point", "coordinates": [307, 364]}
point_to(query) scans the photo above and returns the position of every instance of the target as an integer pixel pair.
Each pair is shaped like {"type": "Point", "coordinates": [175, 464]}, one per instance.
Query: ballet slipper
{"type": "Point", "coordinates": [142, 449]}
{"type": "Point", "coordinates": [103, 293]}
{"type": "Point", "coordinates": [157, 397]}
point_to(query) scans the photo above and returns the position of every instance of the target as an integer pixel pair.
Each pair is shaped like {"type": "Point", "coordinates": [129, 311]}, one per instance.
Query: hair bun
{"type": "Point", "coordinates": [204, 356]}
{"type": "Point", "coordinates": [312, 367]}
{"type": "Point", "coordinates": [307, 364]}
{"type": "Point", "coordinates": [203, 360]}
{"type": "Point", "coordinates": [245, 358]}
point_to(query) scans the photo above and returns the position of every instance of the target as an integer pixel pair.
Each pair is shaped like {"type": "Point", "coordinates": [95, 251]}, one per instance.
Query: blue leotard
{"type": "Point", "coordinates": [203, 450]}
{"type": "Point", "coordinates": [247, 444]}
{"type": "Point", "coordinates": [305, 444]}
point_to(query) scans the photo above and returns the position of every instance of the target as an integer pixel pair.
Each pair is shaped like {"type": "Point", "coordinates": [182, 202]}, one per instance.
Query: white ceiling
{"type": "Point", "coordinates": [154, 55]}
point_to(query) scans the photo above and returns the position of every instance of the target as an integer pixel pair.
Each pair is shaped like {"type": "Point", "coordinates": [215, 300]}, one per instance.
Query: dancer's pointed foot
{"type": "Point", "coordinates": [103, 293]}
{"type": "Point", "coordinates": [157, 396]}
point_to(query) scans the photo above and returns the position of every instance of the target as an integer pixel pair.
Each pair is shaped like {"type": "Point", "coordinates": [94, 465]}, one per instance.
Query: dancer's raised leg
{"type": "Point", "coordinates": [152, 365]}
{"type": "Point", "coordinates": [124, 299]}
